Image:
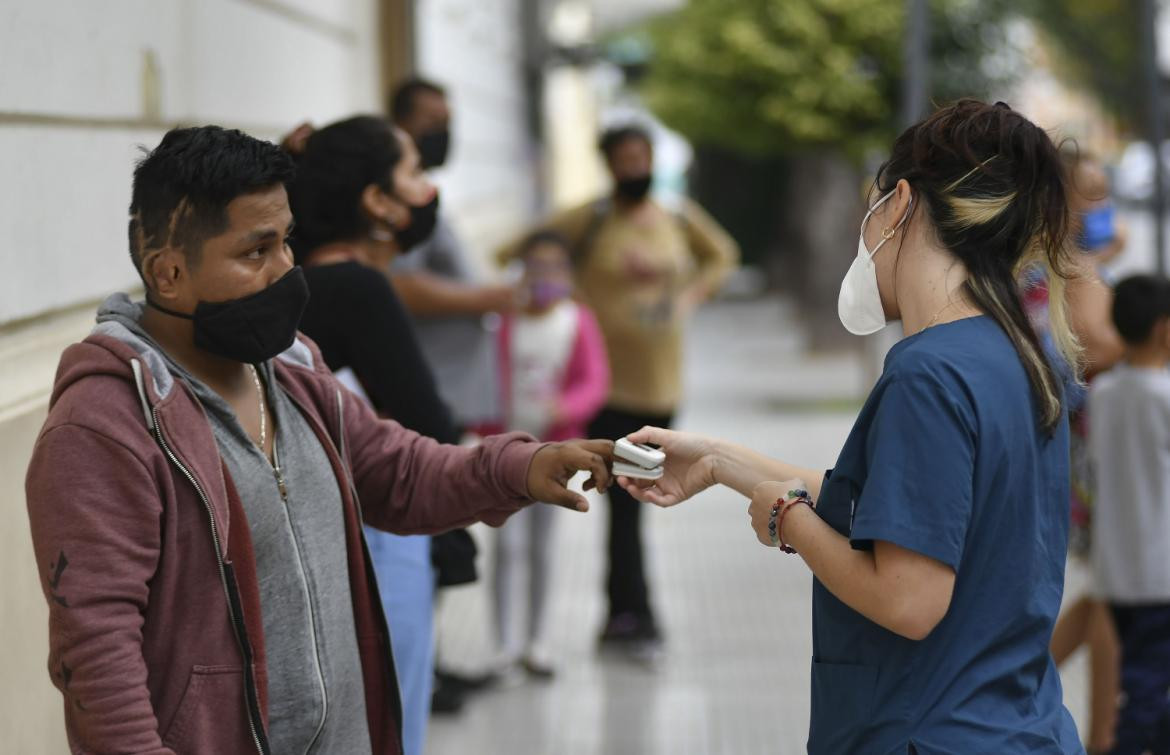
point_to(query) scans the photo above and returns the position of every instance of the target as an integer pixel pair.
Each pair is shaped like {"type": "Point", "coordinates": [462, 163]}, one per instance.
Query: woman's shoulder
{"type": "Point", "coordinates": [970, 363]}
{"type": "Point", "coordinates": [921, 354]}
{"type": "Point", "coordinates": [952, 355]}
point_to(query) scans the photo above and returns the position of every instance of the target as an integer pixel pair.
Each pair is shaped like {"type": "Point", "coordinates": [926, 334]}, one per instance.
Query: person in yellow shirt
{"type": "Point", "coordinates": [643, 269]}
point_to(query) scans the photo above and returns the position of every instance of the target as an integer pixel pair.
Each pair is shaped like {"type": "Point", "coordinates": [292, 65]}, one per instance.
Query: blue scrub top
{"type": "Point", "coordinates": [947, 460]}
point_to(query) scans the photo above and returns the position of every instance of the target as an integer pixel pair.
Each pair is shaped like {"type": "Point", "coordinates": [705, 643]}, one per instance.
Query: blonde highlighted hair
{"type": "Point", "coordinates": [993, 185]}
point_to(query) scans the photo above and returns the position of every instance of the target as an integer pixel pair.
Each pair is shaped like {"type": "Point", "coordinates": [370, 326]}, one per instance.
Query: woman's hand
{"type": "Point", "coordinates": [764, 497]}
{"type": "Point", "coordinates": [689, 468]}
{"type": "Point", "coordinates": [295, 141]}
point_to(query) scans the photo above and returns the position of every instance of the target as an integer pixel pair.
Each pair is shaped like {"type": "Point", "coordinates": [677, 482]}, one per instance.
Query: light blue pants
{"type": "Point", "coordinates": [406, 581]}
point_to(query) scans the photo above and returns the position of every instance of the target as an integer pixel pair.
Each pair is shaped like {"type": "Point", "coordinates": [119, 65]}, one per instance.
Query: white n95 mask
{"type": "Point", "coordinates": [860, 303]}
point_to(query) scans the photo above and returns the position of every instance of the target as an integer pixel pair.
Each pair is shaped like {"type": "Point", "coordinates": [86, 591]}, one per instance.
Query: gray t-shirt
{"type": "Point", "coordinates": [459, 348]}
{"type": "Point", "coordinates": [1129, 447]}
{"type": "Point", "coordinates": [316, 702]}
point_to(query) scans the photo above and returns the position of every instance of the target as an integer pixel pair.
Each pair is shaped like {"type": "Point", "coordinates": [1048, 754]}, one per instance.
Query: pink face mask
{"type": "Point", "coordinates": [545, 293]}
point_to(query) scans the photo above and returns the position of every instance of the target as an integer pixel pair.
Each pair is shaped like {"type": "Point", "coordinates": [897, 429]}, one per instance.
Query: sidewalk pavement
{"type": "Point", "coordinates": [735, 677]}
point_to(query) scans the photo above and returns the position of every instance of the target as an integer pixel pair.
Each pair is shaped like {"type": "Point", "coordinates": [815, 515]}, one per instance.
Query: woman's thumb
{"type": "Point", "coordinates": [647, 434]}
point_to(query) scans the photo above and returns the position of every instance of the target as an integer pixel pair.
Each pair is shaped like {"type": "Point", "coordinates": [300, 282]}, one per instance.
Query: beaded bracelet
{"type": "Point", "coordinates": [776, 518]}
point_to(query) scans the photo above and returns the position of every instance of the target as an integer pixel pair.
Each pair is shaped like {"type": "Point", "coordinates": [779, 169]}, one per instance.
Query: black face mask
{"type": "Point", "coordinates": [433, 147]}
{"type": "Point", "coordinates": [634, 189]}
{"type": "Point", "coordinates": [254, 328]}
{"type": "Point", "coordinates": [422, 225]}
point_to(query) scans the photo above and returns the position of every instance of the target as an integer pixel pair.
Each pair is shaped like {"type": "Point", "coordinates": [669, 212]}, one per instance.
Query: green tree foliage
{"type": "Point", "coordinates": [777, 76]}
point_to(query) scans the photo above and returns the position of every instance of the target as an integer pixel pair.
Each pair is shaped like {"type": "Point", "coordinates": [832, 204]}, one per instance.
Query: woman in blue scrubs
{"type": "Point", "coordinates": [937, 541]}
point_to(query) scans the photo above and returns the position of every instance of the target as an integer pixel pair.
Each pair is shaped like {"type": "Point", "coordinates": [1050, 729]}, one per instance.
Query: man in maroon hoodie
{"type": "Point", "coordinates": [197, 493]}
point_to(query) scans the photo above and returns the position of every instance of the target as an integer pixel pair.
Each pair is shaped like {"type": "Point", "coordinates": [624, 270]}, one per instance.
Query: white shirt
{"type": "Point", "coordinates": [541, 347]}
{"type": "Point", "coordinates": [1129, 447]}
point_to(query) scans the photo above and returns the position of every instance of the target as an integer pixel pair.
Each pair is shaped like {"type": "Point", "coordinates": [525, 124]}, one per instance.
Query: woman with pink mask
{"type": "Point", "coordinates": [555, 379]}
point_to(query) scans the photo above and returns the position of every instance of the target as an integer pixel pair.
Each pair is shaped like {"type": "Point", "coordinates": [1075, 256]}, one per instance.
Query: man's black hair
{"type": "Point", "coordinates": [339, 162]}
{"type": "Point", "coordinates": [183, 186]}
{"type": "Point", "coordinates": [405, 95]}
{"type": "Point", "coordinates": [1138, 303]}
{"type": "Point", "coordinates": [611, 138]}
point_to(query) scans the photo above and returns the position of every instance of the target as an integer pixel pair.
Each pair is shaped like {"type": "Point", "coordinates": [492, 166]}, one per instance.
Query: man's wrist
{"type": "Point", "coordinates": [533, 449]}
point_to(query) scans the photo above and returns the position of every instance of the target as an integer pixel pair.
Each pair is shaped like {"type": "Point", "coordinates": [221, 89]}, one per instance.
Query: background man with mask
{"type": "Point", "coordinates": [196, 495]}
{"type": "Point", "coordinates": [437, 281]}
{"type": "Point", "coordinates": [643, 270]}
{"type": "Point", "coordinates": [438, 285]}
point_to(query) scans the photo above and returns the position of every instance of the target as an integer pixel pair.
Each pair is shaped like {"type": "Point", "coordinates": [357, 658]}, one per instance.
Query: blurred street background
{"type": "Point", "coordinates": [772, 114]}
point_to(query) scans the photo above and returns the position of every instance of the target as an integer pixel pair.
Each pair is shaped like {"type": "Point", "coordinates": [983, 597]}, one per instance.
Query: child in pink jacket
{"type": "Point", "coordinates": [555, 379]}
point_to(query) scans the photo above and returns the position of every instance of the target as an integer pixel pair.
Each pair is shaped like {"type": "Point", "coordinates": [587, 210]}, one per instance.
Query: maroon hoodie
{"type": "Point", "coordinates": [146, 559]}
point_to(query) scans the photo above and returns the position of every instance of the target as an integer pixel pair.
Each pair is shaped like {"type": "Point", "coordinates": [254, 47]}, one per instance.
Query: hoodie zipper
{"type": "Point", "coordinates": [237, 621]}
{"type": "Point", "coordinates": [278, 474]}
{"type": "Point", "coordinates": [253, 707]}
{"type": "Point", "coordinates": [280, 484]}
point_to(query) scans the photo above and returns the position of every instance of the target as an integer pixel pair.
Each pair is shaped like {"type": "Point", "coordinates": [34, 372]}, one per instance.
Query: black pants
{"type": "Point", "coordinates": [1144, 721]}
{"type": "Point", "coordinates": [626, 580]}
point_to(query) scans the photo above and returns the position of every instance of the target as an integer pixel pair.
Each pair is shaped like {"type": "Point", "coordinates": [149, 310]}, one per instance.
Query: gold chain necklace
{"type": "Point", "coordinates": [938, 314]}
{"type": "Point", "coordinates": [263, 409]}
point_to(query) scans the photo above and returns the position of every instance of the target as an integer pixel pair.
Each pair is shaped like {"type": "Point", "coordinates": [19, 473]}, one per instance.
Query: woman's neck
{"type": "Point", "coordinates": [930, 290]}
{"type": "Point", "coordinates": [368, 252]}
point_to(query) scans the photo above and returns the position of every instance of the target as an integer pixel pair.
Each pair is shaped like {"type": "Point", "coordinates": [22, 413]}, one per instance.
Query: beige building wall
{"type": "Point", "coordinates": [82, 85]}
{"type": "Point", "coordinates": [576, 172]}
{"type": "Point", "coordinates": [85, 84]}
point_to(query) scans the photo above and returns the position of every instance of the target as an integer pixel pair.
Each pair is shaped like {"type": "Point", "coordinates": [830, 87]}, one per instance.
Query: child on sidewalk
{"type": "Point", "coordinates": [555, 380]}
{"type": "Point", "coordinates": [1087, 620]}
{"type": "Point", "coordinates": [1129, 412]}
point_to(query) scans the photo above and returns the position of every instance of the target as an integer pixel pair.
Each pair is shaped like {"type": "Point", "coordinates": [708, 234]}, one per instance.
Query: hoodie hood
{"type": "Point", "coordinates": [119, 340]}
{"type": "Point", "coordinates": [120, 318]}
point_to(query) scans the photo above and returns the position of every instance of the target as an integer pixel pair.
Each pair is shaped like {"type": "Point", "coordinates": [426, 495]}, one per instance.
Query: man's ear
{"type": "Point", "coordinates": [164, 271]}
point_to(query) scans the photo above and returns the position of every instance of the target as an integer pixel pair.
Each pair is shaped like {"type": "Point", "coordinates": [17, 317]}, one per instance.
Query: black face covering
{"type": "Point", "coordinates": [422, 225]}
{"type": "Point", "coordinates": [634, 189]}
{"type": "Point", "coordinates": [433, 147]}
{"type": "Point", "coordinates": [254, 328]}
